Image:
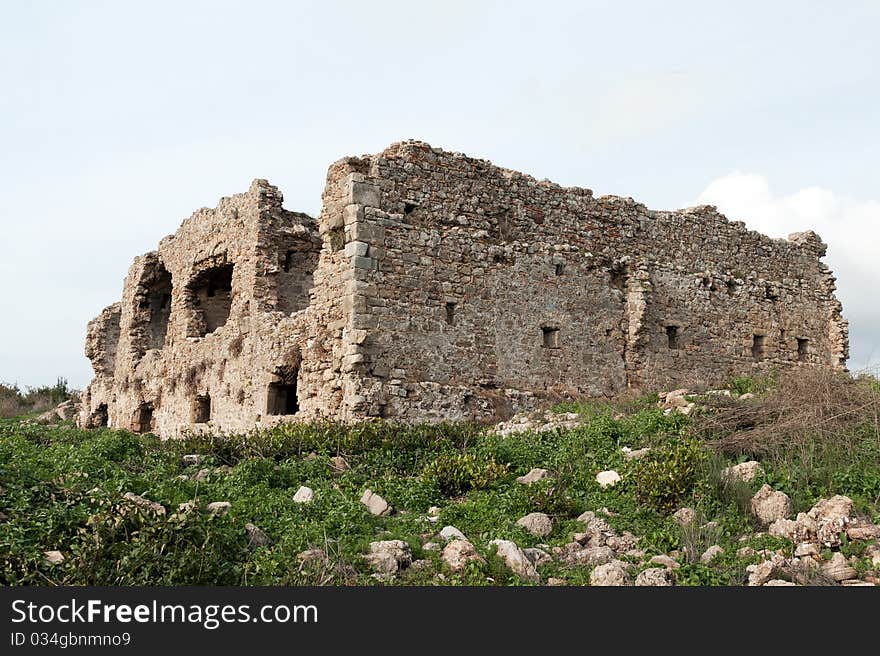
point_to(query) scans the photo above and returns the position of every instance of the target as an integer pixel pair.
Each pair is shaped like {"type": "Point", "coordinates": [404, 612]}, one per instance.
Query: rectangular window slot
{"type": "Point", "coordinates": [201, 410]}
{"type": "Point", "coordinates": [758, 342]}
{"type": "Point", "coordinates": [145, 418]}
{"type": "Point", "coordinates": [803, 346]}
{"type": "Point", "coordinates": [672, 337]}
{"type": "Point", "coordinates": [551, 337]}
{"type": "Point", "coordinates": [559, 269]}
{"type": "Point", "coordinates": [450, 314]}
{"type": "Point", "coordinates": [281, 399]}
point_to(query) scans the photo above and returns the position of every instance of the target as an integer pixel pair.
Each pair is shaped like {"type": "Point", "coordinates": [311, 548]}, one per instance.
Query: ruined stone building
{"type": "Point", "coordinates": [435, 286]}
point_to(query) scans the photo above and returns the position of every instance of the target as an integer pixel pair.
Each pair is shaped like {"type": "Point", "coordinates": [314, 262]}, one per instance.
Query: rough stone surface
{"type": "Point", "coordinates": [744, 471]}
{"type": "Point", "coordinates": [838, 568]}
{"type": "Point", "coordinates": [145, 504]}
{"type": "Point", "coordinates": [832, 516]}
{"type": "Point", "coordinates": [666, 561]}
{"type": "Point", "coordinates": [192, 459]}
{"type": "Point", "coordinates": [515, 559]}
{"type": "Point", "coordinates": [458, 553]}
{"type": "Point", "coordinates": [389, 556]}
{"type": "Point", "coordinates": [53, 557]}
{"type": "Point", "coordinates": [219, 508]}
{"type": "Point", "coordinates": [534, 475]}
{"type": "Point", "coordinates": [435, 286]}
{"type": "Point", "coordinates": [304, 495]}
{"type": "Point", "coordinates": [783, 528]}
{"type": "Point", "coordinates": [451, 533]}
{"type": "Point", "coordinates": [768, 506]}
{"type": "Point", "coordinates": [608, 478]}
{"type": "Point", "coordinates": [375, 504]}
{"type": "Point", "coordinates": [684, 516]}
{"type": "Point", "coordinates": [537, 523]}
{"type": "Point", "coordinates": [711, 554]}
{"type": "Point", "coordinates": [256, 536]}
{"type": "Point", "coordinates": [654, 577]}
{"type": "Point", "coordinates": [610, 574]}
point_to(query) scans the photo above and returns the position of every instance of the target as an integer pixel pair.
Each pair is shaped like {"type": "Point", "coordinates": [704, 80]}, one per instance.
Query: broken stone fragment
{"type": "Point", "coordinates": [684, 516]}
{"type": "Point", "coordinates": [535, 475]}
{"type": "Point", "coordinates": [537, 523]}
{"type": "Point", "coordinates": [458, 553]}
{"type": "Point", "coordinates": [375, 504]}
{"type": "Point", "coordinates": [304, 495]}
{"type": "Point", "coordinates": [451, 533]}
{"type": "Point", "coordinates": [256, 537]}
{"type": "Point", "coordinates": [744, 471]}
{"type": "Point", "coordinates": [389, 556]}
{"type": "Point", "coordinates": [218, 508]}
{"type": "Point", "coordinates": [655, 577]}
{"type": "Point", "coordinates": [53, 557]}
{"type": "Point", "coordinates": [338, 464]}
{"type": "Point", "coordinates": [769, 505]}
{"type": "Point", "coordinates": [610, 574]}
{"type": "Point", "coordinates": [608, 478]}
{"type": "Point", "coordinates": [144, 503]}
{"type": "Point", "coordinates": [515, 560]}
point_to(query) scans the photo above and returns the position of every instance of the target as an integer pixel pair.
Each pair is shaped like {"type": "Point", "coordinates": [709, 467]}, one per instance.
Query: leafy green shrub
{"type": "Point", "coordinates": [669, 473]}
{"type": "Point", "coordinates": [455, 473]}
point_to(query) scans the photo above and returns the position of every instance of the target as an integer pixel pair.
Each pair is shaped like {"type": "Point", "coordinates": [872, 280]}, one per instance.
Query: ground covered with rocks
{"type": "Point", "coordinates": [761, 483]}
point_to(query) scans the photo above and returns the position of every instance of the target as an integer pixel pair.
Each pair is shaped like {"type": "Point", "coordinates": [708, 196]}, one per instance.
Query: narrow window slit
{"type": "Point", "coordinates": [758, 342]}
{"type": "Point", "coordinates": [803, 345]}
{"type": "Point", "coordinates": [551, 337]}
{"type": "Point", "coordinates": [672, 337]}
{"type": "Point", "coordinates": [450, 313]}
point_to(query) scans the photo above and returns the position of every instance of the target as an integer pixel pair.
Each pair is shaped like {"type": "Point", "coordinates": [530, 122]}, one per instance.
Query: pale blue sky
{"type": "Point", "coordinates": [119, 119]}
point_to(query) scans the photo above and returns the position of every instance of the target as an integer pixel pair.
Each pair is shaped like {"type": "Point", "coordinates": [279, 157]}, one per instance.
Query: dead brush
{"type": "Point", "coordinates": [809, 409]}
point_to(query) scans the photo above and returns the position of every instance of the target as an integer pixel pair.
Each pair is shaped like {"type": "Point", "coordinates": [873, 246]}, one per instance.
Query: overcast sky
{"type": "Point", "coordinates": [119, 119]}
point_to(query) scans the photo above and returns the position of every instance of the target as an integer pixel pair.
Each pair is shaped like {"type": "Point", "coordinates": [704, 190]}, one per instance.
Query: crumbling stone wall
{"type": "Point", "coordinates": [435, 286]}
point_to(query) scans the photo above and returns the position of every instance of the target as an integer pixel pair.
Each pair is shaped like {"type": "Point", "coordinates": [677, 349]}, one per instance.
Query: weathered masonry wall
{"type": "Point", "coordinates": [433, 287]}
{"type": "Point", "coordinates": [482, 286]}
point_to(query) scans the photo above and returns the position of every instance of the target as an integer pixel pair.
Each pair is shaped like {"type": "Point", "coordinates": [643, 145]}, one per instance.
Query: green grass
{"type": "Point", "coordinates": [61, 488]}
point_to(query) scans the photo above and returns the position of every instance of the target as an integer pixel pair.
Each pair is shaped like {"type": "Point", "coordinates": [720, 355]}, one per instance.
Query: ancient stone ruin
{"type": "Point", "coordinates": [434, 286]}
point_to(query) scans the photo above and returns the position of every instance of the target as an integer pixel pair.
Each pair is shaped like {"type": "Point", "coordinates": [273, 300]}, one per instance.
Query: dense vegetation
{"type": "Point", "coordinates": [14, 401]}
{"type": "Point", "coordinates": [62, 488]}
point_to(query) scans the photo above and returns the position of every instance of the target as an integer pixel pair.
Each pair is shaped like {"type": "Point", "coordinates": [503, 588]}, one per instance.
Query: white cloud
{"type": "Point", "coordinates": [850, 227]}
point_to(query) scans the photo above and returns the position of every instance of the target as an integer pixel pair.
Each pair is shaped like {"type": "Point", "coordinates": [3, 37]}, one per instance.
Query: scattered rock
{"type": "Point", "coordinates": [338, 464]}
{"type": "Point", "coordinates": [832, 517]}
{"type": "Point", "coordinates": [867, 532]}
{"type": "Point", "coordinates": [805, 549]}
{"type": "Point", "coordinates": [655, 577]}
{"type": "Point", "coordinates": [375, 504]}
{"type": "Point", "coordinates": [256, 537]}
{"type": "Point", "coordinates": [421, 565]}
{"type": "Point", "coordinates": [312, 556]}
{"type": "Point", "coordinates": [768, 505]}
{"type": "Point", "coordinates": [744, 471]}
{"type": "Point", "coordinates": [202, 474]}
{"type": "Point", "coordinates": [389, 556]}
{"type": "Point", "coordinates": [186, 507]}
{"type": "Point", "coordinates": [684, 516]}
{"type": "Point", "coordinates": [778, 583]}
{"type": "Point", "coordinates": [458, 553]}
{"type": "Point", "coordinates": [53, 557]}
{"type": "Point", "coordinates": [666, 561]}
{"type": "Point", "coordinates": [761, 573]}
{"type": "Point", "coordinates": [711, 554]}
{"type": "Point", "coordinates": [537, 556]}
{"type": "Point", "coordinates": [536, 523]}
{"type": "Point", "coordinates": [635, 454]}
{"type": "Point", "coordinates": [856, 582]}
{"type": "Point", "coordinates": [610, 574]}
{"type": "Point", "coordinates": [588, 556]}
{"type": "Point", "coordinates": [745, 552]}
{"type": "Point", "coordinates": [538, 421]}
{"type": "Point", "coordinates": [872, 552]}
{"type": "Point", "coordinates": [431, 546]}
{"type": "Point", "coordinates": [218, 508]}
{"type": "Point", "coordinates": [748, 396]}
{"type": "Point", "coordinates": [586, 517]}
{"type": "Point", "coordinates": [192, 459]}
{"type": "Point", "coordinates": [66, 410]}
{"type": "Point", "coordinates": [144, 503]}
{"type": "Point", "coordinates": [535, 475]}
{"type": "Point", "coordinates": [515, 560]}
{"type": "Point", "coordinates": [838, 569]}
{"type": "Point", "coordinates": [555, 581]}
{"type": "Point", "coordinates": [783, 528]}
{"type": "Point", "coordinates": [608, 478]}
{"type": "Point", "coordinates": [451, 533]}
{"type": "Point", "coordinates": [304, 495]}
